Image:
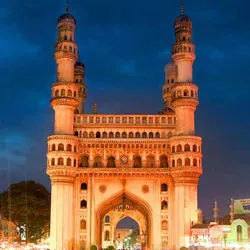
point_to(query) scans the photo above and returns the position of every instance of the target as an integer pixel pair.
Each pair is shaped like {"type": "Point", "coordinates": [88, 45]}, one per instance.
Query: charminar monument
{"type": "Point", "coordinates": [105, 167]}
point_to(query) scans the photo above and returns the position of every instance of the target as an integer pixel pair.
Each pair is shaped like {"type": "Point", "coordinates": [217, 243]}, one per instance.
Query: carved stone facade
{"type": "Point", "coordinates": [98, 162]}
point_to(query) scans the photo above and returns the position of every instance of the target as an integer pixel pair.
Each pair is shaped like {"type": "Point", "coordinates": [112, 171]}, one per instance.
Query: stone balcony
{"type": "Point", "coordinates": [125, 120]}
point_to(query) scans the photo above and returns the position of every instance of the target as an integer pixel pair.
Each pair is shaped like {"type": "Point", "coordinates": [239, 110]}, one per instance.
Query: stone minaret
{"type": "Point", "coordinates": [231, 206]}
{"type": "Point", "coordinates": [68, 95]}
{"type": "Point", "coordinates": [181, 95]}
{"type": "Point", "coordinates": [216, 212]}
{"type": "Point", "coordinates": [184, 91]}
{"type": "Point", "coordinates": [199, 216]}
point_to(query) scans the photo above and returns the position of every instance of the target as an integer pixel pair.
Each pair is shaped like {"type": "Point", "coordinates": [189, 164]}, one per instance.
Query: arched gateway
{"type": "Point", "coordinates": [132, 202]}
{"type": "Point", "coordinates": [104, 166]}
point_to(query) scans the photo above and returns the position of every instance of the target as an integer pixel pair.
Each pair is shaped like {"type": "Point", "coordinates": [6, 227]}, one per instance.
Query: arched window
{"type": "Point", "coordinates": [107, 235]}
{"type": "Point", "coordinates": [164, 187]}
{"type": "Point", "coordinates": [76, 133]}
{"type": "Point", "coordinates": [124, 135]}
{"type": "Point", "coordinates": [185, 49]}
{"type": "Point", "coordinates": [60, 161]}
{"type": "Point", "coordinates": [83, 245]}
{"type": "Point", "coordinates": [130, 135]}
{"type": "Point", "coordinates": [194, 148]}
{"type": "Point", "coordinates": [173, 163]}
{"type": "Point", "coordinates": [52, 162]}
{"type": "Point", "coordinates": [74, 93]}
{"type": "Point", "coordinates": [185, 93]}
{"type": "Point", "coordinates": [98, 162]}
{"type": "Point", "coordinates": [111, 135]}
{"type": "Point", "coordinates": [173, 149]}
{"type": "Point", "coordinates": [84, 162]}
{"type": "Point", "coordinates": [57, 93]}
{"type": "Point", "coordinates": [60, 147]}
{"type": "Point", "coordinates": [84, 186]}
{"type": "Point", "coordinates": [107, 219]}
{"type": "Point", "coordinates": [137, 135]}
{"type": "Point", "coordinates": [189, 49]}
{"type": "Point", "coordinates": [179, 149]}
{"type": "Point", "coordinates": [74, 148]}
{"type": "Point", "coordinates": [68, 162]}
{"type": "Point", "coordinates": [83, 204]}
{"type": "Point", "coordinates": [53, 147]}
{"type": "Point", "coordinates": [91, 135]}
{"type": "Point", "coordinates": [69, 92]}
{"type": "Point", "coordinates": [85, 134]}
{"type": "Point", "coordinates": [111, 162]}
{"type": "Point", "coordinates": [65, 38]}
{"type": "Point", "coordinates": [164, 205]}
{"type": "Point", "coordinates": [70, 49]}
{"type": "Point", "coordinates": [98, 134]}
{"type": "Point", "coordinates": [179, 162]}
{"type": "Point", "coordinates": [157, 135]}
{"type": "Point", "coordinates": [83, 224]}
{"type": "Point", "coordinates": [69, 147]}
{"type": "Point", "coordinates": [187, 147]}
{"type": "Point", "coordinates": [164, 225]}
{"type": "Point", "coordinates": [117, 135]}
{"type": "Point", "coordinates": [194, 162]}
{"type": "Point", "coordinates": [239, 233]}
{"type": "Point", "coordinates": [163, 161]}
{"type": "Point", "coordinates": [150, 161]}
{"type": "Point", "coordinates": [192, 93]}
{"type": "Point", "coordinates": [137, 162]}
{"type": "Point", "coordinates": [104, 135]}
{"type": "Point", "coordinates": [144, 135]}
{"type": "Point", "coordinates": [187, 162]}
{"type": "Point", "coordinates": [63, 92]}
{"type": "Point", "coordinates": [74, 162]}
{"type": "Point", "coordinates": [151, 135]}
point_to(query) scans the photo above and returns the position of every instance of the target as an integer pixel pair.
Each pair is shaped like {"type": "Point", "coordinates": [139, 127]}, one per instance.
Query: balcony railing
{"type": "Point", "coordinates": [125, 120]}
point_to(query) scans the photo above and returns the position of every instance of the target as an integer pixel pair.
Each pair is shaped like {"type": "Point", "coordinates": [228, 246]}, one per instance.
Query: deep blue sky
{"type": "Point", "coordinates": [125, 45]}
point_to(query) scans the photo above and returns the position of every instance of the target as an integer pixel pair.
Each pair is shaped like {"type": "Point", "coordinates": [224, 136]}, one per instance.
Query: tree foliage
{"type": "Point", "coordinates": [27, 204]}
{"type": "Point", "coordinates": [93, 247]}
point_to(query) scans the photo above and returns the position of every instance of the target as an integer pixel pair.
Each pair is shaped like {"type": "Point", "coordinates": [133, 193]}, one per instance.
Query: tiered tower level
{"type": "Point", "coordinates": [99, 162]}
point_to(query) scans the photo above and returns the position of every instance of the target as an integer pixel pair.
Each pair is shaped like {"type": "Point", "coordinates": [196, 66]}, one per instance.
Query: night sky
{"type": "Point", "coordinates": [125, 45]}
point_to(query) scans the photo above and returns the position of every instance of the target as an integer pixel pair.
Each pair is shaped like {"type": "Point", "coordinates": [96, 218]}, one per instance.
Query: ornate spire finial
{"type": "Point", "coordinates": [67, 6]}
{"type": "Point", "coordinates": [182, 7]}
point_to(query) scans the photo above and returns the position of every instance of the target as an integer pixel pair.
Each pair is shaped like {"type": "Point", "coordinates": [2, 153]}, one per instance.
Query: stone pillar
{"type": "Point", "coordinates": [62, 213]}
{"type": "Point", "coordinates": [185, 212]}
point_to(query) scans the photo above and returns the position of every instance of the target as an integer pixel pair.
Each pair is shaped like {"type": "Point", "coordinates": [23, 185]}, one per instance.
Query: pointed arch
{"type": "Point", "coordinates": [137, 162]}
{"type": "Point", "coordinates": [130, 199]}
{"type": "Point", "coordinates": [83, 204]}
{"type": "Point", "coordinates": [163, 161]}
{"type": "Point", "coordinates": [111, 162]}
{"type": "Point", "coordinates": [98, 162]}
{"type": "Point", "coordinates": [150, 161]}
{"type": "Point", "coordinates": [83, 224]}
{"type": "Point", "coordinates": [179, 148]}
{"type": "Point", "coordinates": [84, 161]}
{"type": "Point", "coordinates": [179, 162]}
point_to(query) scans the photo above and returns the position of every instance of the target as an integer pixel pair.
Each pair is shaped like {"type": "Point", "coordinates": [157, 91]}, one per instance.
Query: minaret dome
{"type": "Point", "coordinates": [66, 16]}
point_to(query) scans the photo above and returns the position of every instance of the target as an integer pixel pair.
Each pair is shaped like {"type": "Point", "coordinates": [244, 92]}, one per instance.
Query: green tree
{"type": "Point", "coordinates": [133, 237]}
{"type": "Point", "coordinates": [93, 247]}
{"type": "Point", "coordinates": [27, 204]}
{"type": "Point", "coordinates": [110, 248]}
